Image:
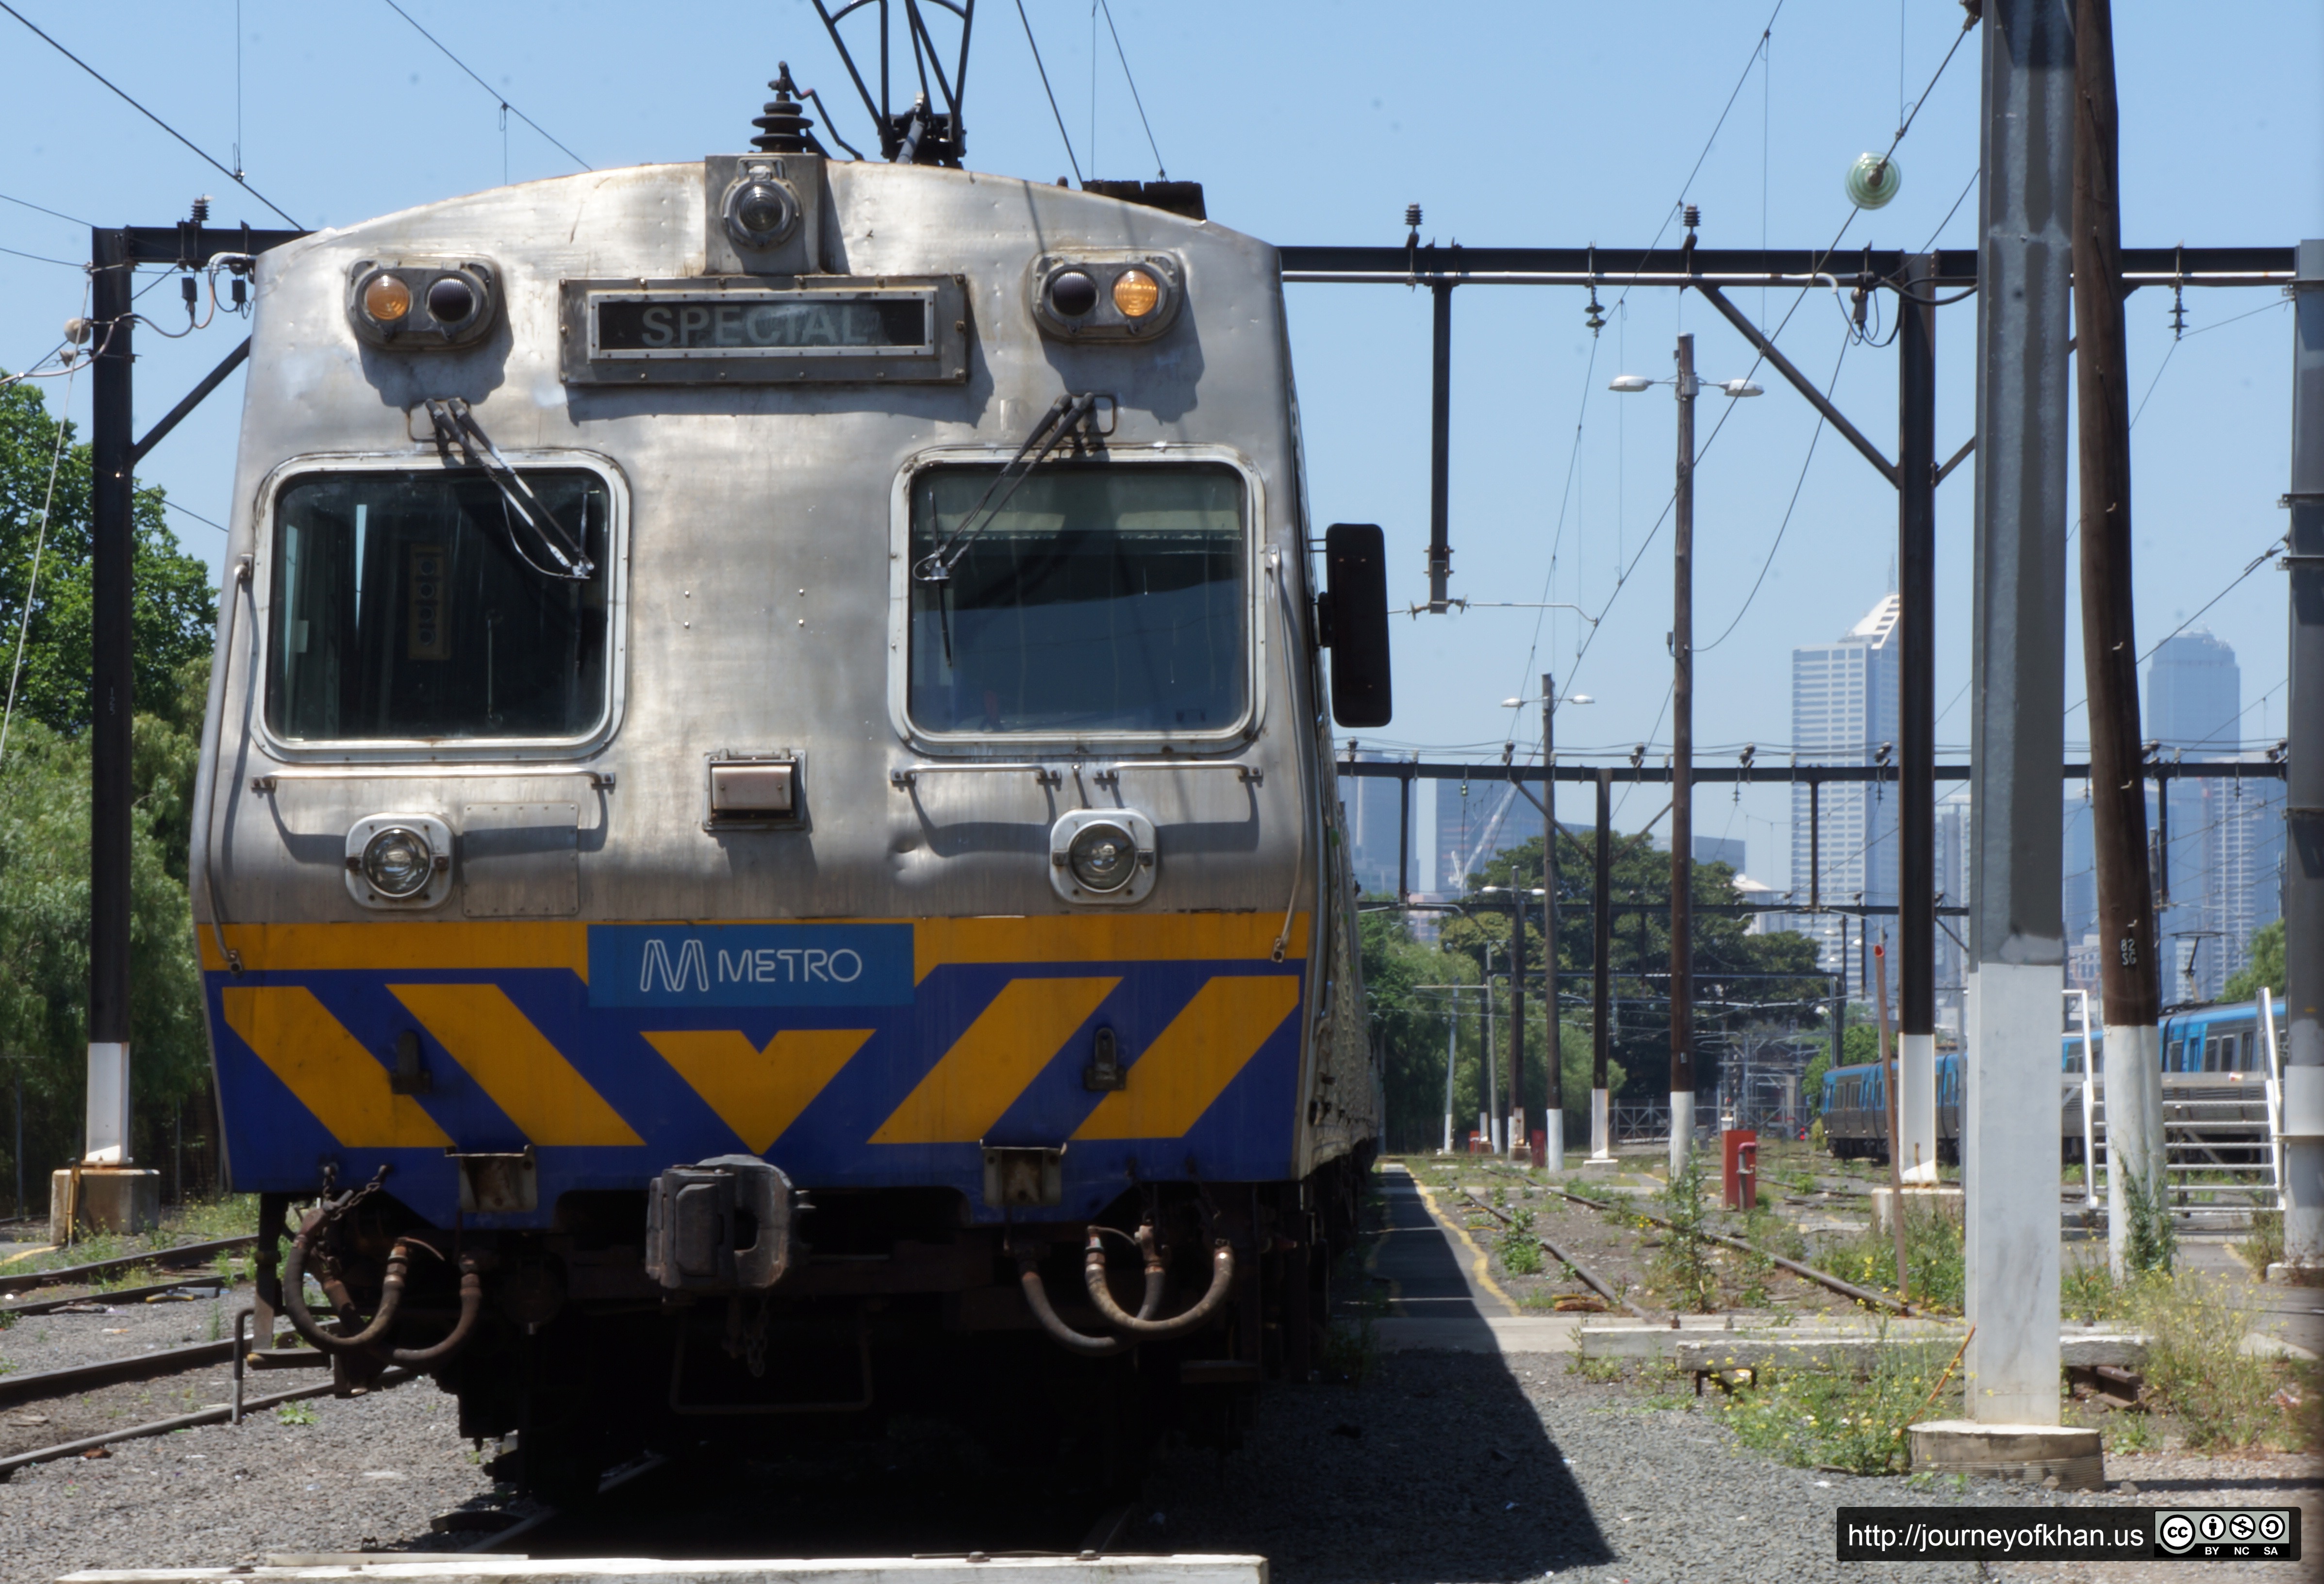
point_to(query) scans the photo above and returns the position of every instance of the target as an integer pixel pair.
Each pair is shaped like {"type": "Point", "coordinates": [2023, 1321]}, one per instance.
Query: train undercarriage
{"type": "Point", "coordinates": [892, 1318]}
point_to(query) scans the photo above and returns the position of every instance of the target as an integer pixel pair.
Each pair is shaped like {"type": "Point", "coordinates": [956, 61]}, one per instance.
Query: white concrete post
{"type": "Point", "coordinates": [107, 1132]}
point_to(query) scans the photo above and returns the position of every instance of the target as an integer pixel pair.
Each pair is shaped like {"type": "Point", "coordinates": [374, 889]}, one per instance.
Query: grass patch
{"type": "Point", "coordinates": [1520, 1249]}
{"type": "Point", "coordinates": [1934, 1259]}
{"type": "Point", "coordinates": [1813, 1420]}
{"type": "Point", "coordinates": [2263, 1245]}
{"type": "Point", "coordinates": [294, 1413]}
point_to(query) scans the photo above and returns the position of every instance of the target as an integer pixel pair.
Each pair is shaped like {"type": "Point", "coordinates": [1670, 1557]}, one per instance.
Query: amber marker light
{"type": "Point", "coordinates": [386, 298]}
{"type": "Point", "coordinates": [1135, 293]}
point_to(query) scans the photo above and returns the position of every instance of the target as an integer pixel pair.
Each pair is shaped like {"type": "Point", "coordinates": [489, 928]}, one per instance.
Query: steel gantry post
{"type": "Point", "coordinates": [1440, 449]}
{"type": "Point", "coordinates": [2303, 891]}
{"type": "Point", "coordinates": [1916, 784]}
{"type": "Point", "coordinates": [1601, 973]}
{"type": "Point", "coordinates": [2018, 643]}
{"type": "Point", "coordinates": [112, 697]}
{"type": "Point", "coordinates": [1682, 894]}
{"type": "Point", "coordinates": [1554, 1049]}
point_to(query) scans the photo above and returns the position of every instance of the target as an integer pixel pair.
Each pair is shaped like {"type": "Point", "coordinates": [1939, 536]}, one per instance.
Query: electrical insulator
{"type": "Point", "coordinates": [241, 290]}
{"type": "Point", "coordinates": [1412, 215]}
{"type": "Point", "coordinates": [202, 210]}
{"type": "Point", "coordinates": [189, 289]}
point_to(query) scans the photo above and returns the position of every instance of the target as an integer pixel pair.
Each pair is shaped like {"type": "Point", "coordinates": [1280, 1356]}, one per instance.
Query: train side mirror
{"type": "Point", "coordinates": [1352, 621]}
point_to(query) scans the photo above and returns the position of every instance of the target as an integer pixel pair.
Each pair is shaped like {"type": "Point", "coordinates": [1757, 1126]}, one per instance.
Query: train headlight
{"type": "Point", "coordinates": [1106, 296]}
{"type": "Point", "coordinates": [386, 298]}
{"type": "Point", "coordinates": [397, 302]}
{"type": "Point", "coordinates": [1103, 856]}
{"type": "Point", "coordinates": [399, 862]}
{"type": "Point", "coordinates": [1073, 294]}
{"type": "Point", "coordinates": [1136, 293]}
{"type": "Point", "coordinates": [760, 211]}
{"type": "Point", "coordinates": [452, 301]}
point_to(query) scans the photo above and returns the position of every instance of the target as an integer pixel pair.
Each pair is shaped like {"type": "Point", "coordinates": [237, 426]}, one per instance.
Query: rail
{"type": "Point", "coordinates": [1588, 1277]}
{"type": "Point", "coordinates": [1822, 1278]}
{"type": "Point", "coordinates": [78, 1274]}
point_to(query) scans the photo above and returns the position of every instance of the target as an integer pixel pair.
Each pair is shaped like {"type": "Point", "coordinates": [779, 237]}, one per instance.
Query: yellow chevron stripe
{"type": "Point", "coordinates": [408, 946]}
{"type": "Point", "coordinates": [1174, 1082]}
{"type": "Point", "coordinates": [759, 1092]}
{"type": "Point", "coordinates": [400, 944]}
{"type": "Point", "coordinates": [990, 1064]}
{"type": "Point", "coordinates": [515, 1063]}
{"type": "Point", "coordinates": [344, 1084]}
{"type": "Point", "coordinates": [1108, 937]}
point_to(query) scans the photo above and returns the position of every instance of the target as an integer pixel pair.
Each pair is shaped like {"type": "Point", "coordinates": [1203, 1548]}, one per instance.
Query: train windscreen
{"type": "Point", "coordinates": [1094, 600]}
{"type": "Point", "coordinates": [407, 605]}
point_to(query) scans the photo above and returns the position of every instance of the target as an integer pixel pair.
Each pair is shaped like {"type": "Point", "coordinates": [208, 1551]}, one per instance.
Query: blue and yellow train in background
{"type": "Point", "coordinates": [2209, 1053]}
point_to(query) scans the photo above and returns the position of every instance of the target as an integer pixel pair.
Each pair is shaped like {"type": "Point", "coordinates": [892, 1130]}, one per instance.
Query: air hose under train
{"type": "Point", "coordinates": [311, 1231]}
{"type": "Point", "coordinates": [1142, 1325]}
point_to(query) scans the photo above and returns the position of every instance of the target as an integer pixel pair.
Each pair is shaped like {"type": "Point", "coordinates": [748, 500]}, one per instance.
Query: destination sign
{"type": "Point", "coordinates": [762, 324]}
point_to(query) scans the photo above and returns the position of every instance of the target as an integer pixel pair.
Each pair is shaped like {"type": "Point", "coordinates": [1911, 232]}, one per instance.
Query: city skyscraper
{"type": "Point", "coordinates": [1373, 804]}
{"type": "Point", "coordinates": [1844, 712]}
{"type": "Point", "coordinates": [2220, 876]}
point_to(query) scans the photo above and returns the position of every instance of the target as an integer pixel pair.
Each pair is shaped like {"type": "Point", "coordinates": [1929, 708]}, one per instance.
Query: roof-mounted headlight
{"type": "Point", "coordinates": [760, 211]}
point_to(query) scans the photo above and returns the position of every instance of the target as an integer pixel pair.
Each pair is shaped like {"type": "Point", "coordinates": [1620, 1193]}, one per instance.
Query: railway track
{"type": "Point", "coordinates": [77, 1276]}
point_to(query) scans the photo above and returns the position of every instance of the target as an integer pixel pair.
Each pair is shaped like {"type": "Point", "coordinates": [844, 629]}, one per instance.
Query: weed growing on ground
{"type": "Point", "coordinates": [2195, 1366]}
{"type": "Point", "coordinates": [1350, 1352]}
{"type": "Point", "coordinates": [205, 1222]}
{"type": "Point", "coordinates": [294, 1413]}
{"type": "Point", "coordinates": [2264, 1245]}
{"type": "Point", "coordinates": [1934, 1257]}
{"type": "Point", "coordinates": [1602, 1371]}
{"type": "Point", "coordinates": [1520, 1250]}
{"type": "Point", "coordinates": [1684, 1271]}
{"type": "Point", "coordinates": [1816, 1420]}
{"type": "Point", "coordinates": [2087, 1290]}
{"type": "Point", "coordinates": [217, 1323]}
{"type": "Point", "coordinates": [1754, 1271]}
{"type": "Point", "coordinates": [2151, 1244]}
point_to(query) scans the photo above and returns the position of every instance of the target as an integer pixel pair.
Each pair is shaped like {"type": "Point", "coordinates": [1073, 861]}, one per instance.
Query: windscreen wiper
{"type": "Point", "coordinates": [1066, 415]}
{"type": "Point", "coordinates": [456, 425]}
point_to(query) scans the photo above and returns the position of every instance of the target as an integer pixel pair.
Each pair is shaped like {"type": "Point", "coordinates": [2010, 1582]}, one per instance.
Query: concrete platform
{"type": "Point", "coordinates": [1800, 1348]}
{"type": "Point", "coordinates": [2009, 1451]}
{"type": "Point", "coordinates": [490, 1569]}
{"type": "Point", "coordinates": [1942, 1199]}
{"type": "Point", "coordinates": [1484, 1333]}
{"type": "Point", "coordinates": [111, 1199]}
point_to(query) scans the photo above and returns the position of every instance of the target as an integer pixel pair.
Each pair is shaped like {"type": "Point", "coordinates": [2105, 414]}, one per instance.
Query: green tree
{"type": "Point", "coordinates": [44, 797]}
{"type": "Point", "coordinates": [1740, 978]}
{"type": "Point", "coordinates": [174, 613]}
{"type": "Point", "coordinates": [2265, 968]}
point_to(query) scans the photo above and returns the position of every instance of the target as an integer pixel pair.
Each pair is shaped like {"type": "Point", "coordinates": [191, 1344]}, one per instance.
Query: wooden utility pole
{"type": "Point", "coordinates": [2129, 958]}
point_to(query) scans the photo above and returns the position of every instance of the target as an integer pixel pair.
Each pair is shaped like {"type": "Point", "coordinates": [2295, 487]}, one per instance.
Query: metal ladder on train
{"type": "Point", "coordinates": [2223, 1145]}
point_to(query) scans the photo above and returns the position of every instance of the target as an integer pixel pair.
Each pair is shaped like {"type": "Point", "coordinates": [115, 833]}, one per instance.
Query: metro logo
{"type": "Point", "coordinates": [749, 965]}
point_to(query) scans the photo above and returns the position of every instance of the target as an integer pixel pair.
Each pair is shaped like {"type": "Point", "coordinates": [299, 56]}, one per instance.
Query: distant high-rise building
{"type": "Point", "coordinates": [1727, 850]}
{"type": "Point", "coordinates": [1474, 821]}
{"type": "Point", "coordinates": [1844, 712]}
{"type": "Point", "coordinates": [2220, 876]}
{"type": "Point", "coordinates": [1952, 872]}
{"type": "Point", "coordinates": [1373, 804]}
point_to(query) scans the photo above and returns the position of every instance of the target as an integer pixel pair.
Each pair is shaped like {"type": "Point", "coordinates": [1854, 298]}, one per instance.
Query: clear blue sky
{"type": "Point", "coordinates": [1550, 124]}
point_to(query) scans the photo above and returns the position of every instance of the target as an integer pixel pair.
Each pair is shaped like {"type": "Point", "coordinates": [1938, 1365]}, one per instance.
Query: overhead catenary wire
{"type": "Point", "coordinates": [32, 582]}
{"type": "Point", "coordinates": [1063, 135]}
{"type": "Point", "coordinates": [1160, 170]}
{"type": "Point", "coordinates": [44, 208]}
{"type": "Point", "coordinates": [1797, 485]}
{"type": "Point", "coordinates": [209, 159]}
{"type": "Point", "coordinates": [498, 96]}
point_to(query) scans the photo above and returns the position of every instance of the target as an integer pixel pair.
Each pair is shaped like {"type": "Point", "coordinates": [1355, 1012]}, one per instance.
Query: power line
{"type": "Point", "coordinates": [44, 208]}
{"type": "Point", "coordinates": [233, 176]}
{"type": "Point", "coordinates": [1043, 70]}
{"type": "Point", "coordinates": [1829, 385]}
{"type": "Point", "coordinates": [2258, 561]}
{"type": "Point", "coordinates": [43, 258]}
{"type": "Point", "coordinates": [481, 83]}
{"type": "Point", "coordinates": [1158, 169]}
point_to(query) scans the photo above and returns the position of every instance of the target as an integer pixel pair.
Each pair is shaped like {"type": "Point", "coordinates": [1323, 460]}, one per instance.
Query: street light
{"type": "Point", "coordinates": [1686, 386]}
{"type": "Point", "coordinates": [1554, 1119]}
